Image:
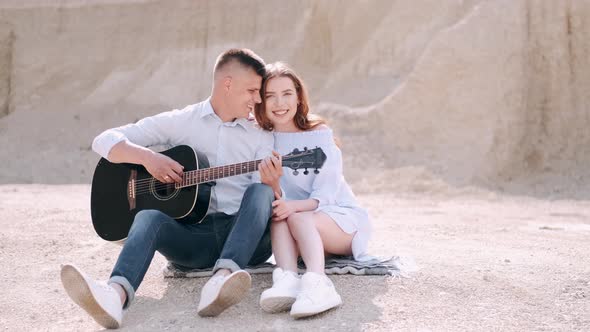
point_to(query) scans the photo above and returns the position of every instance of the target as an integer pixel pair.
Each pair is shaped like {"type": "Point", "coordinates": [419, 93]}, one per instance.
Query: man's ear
{"type": "Point", "coordinates": [227, 83]}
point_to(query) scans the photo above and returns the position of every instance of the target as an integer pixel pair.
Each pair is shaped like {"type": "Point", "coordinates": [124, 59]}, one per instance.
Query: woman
{"type": "Point", "coordinates": [319, 214]}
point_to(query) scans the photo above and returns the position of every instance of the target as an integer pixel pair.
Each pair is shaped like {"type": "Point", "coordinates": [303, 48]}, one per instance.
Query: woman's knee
{"type": "Point", "coordinates": [280, 228]}
{"type": "Point", "coordinates": [299, 220]}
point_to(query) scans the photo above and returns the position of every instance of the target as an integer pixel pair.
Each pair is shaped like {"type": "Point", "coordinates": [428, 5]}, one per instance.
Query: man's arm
{"type": "Point", "coordinates": [128, 152]}
{"type": "Point", "coordinates": [127, 144]}
{"type": "Point", "coordinates": [162, 167]}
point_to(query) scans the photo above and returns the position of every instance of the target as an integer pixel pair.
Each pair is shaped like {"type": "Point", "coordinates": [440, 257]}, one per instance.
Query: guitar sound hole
{"type": "Point", "coordinates": [163, 191]}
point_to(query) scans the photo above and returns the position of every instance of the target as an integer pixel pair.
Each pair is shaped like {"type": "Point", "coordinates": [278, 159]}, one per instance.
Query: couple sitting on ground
{"type": "Point", "coordinates": [301, 216]}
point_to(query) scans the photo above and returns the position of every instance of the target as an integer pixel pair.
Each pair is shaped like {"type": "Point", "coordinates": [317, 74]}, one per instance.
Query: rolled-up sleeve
{"type": "Point", "coordinates": [160, 129]}
{"type": "Point", "coordinates": [104, 142]}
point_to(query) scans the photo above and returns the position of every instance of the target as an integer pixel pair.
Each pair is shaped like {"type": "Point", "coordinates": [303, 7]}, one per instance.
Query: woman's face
{"type": "Point", "coordinates": [281, 103]}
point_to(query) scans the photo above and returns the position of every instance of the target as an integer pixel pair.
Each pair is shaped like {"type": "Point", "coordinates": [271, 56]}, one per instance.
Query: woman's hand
{"type": "Point", "coordinates": [282, 209]}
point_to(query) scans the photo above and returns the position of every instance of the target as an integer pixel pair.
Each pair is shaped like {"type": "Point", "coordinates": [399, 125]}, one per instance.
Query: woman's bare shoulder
{"type": "Point", "coordinates": [322, 126]}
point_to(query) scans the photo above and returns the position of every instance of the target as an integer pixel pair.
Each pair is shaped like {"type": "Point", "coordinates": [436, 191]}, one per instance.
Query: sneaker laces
{"type": "Point", "coordinates": [283, 277]}
{"type": "Point", "coordinates": [105, 286]}
{"type": "Point", "coordinates": [215, 281]}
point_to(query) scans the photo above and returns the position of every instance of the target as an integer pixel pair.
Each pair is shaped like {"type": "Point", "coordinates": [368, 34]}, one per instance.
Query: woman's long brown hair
{"type": "Point", "coordinates": [303, 119]}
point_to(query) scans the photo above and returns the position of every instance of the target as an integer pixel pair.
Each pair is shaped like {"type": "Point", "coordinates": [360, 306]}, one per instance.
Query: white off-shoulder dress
{"type": "Point", "coordinates": [328, 187]}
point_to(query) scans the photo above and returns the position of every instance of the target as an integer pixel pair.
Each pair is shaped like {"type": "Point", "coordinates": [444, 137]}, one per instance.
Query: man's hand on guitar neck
{"type": "Point", "coordinates": [271, 170]}
{"type": "Point", "coordinates": [161, 167]}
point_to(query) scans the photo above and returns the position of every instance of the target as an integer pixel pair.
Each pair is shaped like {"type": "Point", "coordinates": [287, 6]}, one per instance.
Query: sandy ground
{"type": "Point", "coordinates": [488, 262]}
{"type": "Point", "coordinates": [405, 84]}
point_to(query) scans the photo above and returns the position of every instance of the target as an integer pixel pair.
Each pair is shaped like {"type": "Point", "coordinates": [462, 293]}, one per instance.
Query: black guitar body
{"type": "Point", "coordinates": [120, 191]}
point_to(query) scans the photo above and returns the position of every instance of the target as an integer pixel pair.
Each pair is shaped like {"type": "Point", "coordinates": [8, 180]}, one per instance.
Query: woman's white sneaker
{"type": "Point", "coordinates": [317, 295]}
{"type": "Point", "coordinates": [98, 299]}
{"type": "Point", "coordinates": [282, 294]}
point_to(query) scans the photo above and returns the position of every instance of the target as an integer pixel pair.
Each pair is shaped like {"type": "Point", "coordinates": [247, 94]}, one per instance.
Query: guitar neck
{"type": "Point", "coordinates": [199, 176]}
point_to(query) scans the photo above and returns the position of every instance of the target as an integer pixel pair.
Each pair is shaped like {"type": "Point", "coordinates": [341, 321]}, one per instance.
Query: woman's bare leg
{"type": "Point", "coordinates": [335, 240]}
{"type": "Point", "coordinates": [317, 234]}
{"type": "Point", "coordinates": [284, 247]}
{"type": "Point", "coordinates": [308, 240]}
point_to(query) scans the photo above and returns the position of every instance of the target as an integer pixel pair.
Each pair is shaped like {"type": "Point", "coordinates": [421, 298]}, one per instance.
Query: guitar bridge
{"type": "Point", "coordinates": [131, 189]}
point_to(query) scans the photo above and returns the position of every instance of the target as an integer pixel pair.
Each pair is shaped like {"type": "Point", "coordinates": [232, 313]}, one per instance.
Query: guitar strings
{"type": "Point", "coordinates": [213, 172]}
{"type": "Point", "coordinates": [146, 185]}
{"type": "Point", "coordinates": [223, 169]}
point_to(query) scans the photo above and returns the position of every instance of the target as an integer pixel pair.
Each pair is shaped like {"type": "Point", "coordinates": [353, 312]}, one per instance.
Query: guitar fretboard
{"type": "Point", "coordinates": [198, 176]}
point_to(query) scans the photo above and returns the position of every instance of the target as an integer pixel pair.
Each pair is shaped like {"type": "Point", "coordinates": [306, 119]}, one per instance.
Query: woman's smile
{"type": "Point", "coordinates": [280, 113]}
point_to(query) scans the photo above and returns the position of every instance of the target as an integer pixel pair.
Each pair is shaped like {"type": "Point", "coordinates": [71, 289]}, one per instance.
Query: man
{"type": "Point", "coordinates": [235, 231]}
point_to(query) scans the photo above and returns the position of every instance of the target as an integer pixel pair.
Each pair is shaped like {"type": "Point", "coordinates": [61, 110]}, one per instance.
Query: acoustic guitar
{"type": "Point", "coordinates": [120, 191]}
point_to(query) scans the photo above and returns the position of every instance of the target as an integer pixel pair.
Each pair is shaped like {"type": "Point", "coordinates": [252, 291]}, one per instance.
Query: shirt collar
{"type": "Point", "coordinates": [208, 110]}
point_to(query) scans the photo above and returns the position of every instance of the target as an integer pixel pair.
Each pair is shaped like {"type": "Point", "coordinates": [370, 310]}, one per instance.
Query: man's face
{"type": "Point", "coordinates": [244, 92]}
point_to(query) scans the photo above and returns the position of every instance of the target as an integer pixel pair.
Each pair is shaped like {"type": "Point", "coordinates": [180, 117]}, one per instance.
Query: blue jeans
{"type": "Point", "coordinates": [220, 241]}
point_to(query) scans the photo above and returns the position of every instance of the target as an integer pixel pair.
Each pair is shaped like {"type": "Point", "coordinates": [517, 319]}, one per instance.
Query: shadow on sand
{"type": "Point", "coordinates": [177, 309]}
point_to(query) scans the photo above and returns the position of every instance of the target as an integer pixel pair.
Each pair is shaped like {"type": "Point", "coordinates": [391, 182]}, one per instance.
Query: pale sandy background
{"type": "Point", "coordinates": [464, 130]}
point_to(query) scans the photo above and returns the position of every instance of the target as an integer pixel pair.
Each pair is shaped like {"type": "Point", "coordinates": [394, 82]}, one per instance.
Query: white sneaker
{"type": "Point", "coordinates": [282, 294]}
{"type": "Point", "coordinates": [317, 295]}
{"type": "Point", "coordinates": [100, 300]}
{"type": "Point", "coordinates": [220, 293]}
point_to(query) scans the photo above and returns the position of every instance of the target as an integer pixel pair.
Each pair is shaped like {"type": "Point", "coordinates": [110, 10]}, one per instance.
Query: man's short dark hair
{"type": "Point", "coordinates": [243, 56]}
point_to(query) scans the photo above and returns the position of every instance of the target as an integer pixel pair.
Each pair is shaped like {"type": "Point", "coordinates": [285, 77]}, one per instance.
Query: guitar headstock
{"type": "Point", "coordinates": [305, 159]}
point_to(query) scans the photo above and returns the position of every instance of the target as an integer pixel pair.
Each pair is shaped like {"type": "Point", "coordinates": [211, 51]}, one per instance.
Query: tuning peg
{"type": "Point", "coordinates": [306, 172]}
{"type": "Point", "coordinates": [296, 150]}
{"type": "Point", "coordinates": [305, 148]}
{"type": "Point", "coordinates": [295, 172]}
{"type": "Point", "coordinates": [317, 171]}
